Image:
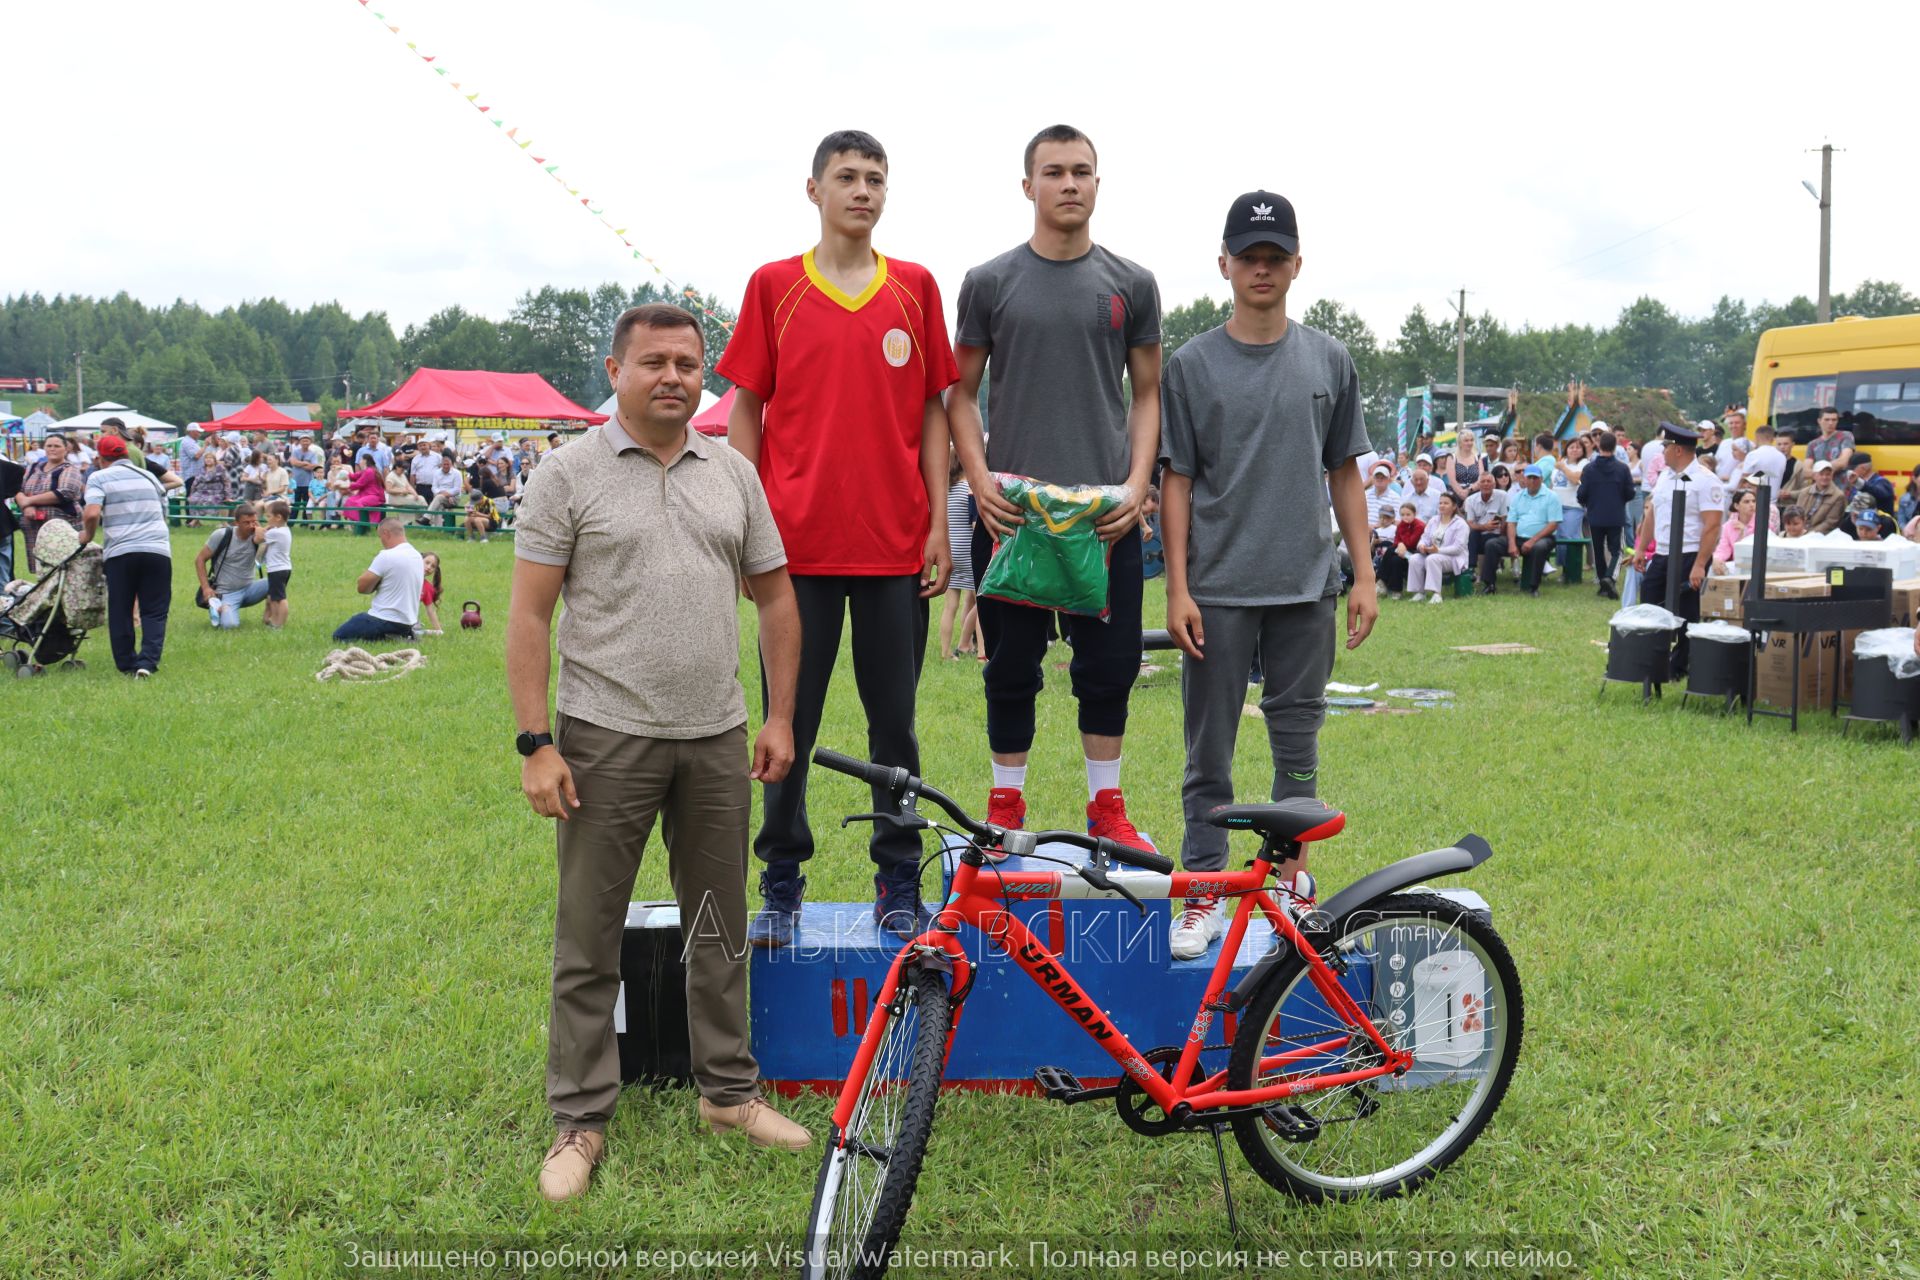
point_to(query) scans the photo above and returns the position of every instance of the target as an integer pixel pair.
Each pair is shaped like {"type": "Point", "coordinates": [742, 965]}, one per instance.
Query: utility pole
{"type": "Point", "coordinates": [1825, 196]}
{"type": "Point", "coordinates": [80, 383]}
{"type": "Point", "coordinates": [1826, 232]}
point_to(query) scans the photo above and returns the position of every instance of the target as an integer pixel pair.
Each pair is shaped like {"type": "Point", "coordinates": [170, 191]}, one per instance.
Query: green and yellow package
{"type": "Point", "coordinates": [1054, 558]}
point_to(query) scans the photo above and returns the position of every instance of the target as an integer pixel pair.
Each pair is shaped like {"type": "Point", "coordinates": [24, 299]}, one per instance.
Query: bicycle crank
{"type": "Point", "coordinates": [1141, 1113]}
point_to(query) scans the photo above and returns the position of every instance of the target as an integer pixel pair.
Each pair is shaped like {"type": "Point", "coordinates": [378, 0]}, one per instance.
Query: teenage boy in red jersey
{"type": "Point", "coordinates": [1063, 321]}
{"type": "Point", "coordinates": [839, 360]}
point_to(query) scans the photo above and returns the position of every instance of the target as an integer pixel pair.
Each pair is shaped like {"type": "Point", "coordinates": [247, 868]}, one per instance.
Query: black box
{"type": "Point", "coordinates": [650, 1016]}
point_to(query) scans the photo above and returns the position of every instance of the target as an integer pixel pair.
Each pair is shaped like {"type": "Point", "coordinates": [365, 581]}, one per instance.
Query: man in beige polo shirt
{"type": "Point", "coordinates": [646, 528]}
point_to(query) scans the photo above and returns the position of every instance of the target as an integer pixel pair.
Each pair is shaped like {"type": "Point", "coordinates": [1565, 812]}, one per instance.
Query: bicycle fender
{"type": "Point", "coordinates": [1464, 855]}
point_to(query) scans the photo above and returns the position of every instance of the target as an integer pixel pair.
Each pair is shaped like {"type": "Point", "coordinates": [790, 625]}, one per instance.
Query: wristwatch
{"type": "Point", "coordinates": [528, 743]}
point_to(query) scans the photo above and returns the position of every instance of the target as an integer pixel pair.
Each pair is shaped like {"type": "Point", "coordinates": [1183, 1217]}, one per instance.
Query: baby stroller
{"type": "Point", "coordinates": [43, 623]}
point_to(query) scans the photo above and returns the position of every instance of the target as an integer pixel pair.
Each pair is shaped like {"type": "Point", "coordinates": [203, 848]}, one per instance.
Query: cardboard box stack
{"type": "Point", "coordinates": [1720, 596]}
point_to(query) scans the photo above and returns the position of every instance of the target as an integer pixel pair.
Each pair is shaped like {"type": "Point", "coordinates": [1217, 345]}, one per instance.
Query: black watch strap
{"type": "Point", "coordinates": [528, 743]}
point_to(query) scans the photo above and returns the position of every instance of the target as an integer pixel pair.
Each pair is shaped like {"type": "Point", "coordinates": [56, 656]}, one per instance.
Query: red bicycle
{"type": "Point", "coordinates": [1374, 1042]}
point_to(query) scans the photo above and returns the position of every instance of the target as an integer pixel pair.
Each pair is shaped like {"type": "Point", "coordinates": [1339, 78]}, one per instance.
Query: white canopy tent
{"type": "Point", "coordinates": [99, 413]}
{"type": "Point", "coordinates": [707, 401]}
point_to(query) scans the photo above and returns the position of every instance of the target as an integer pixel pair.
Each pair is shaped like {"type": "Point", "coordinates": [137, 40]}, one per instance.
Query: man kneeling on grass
{"type": "Point", "coordinates": [393, 580]}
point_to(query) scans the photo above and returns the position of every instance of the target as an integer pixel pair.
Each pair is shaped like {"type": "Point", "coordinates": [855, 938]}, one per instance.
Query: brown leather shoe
{"type": "Point", "coordinates": [763, 1126]}
{"type": "Point", "coordinates": [569, 1165]}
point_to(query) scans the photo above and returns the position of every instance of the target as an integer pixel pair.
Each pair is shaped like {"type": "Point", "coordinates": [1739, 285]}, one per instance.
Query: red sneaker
{"type": "Point", "coordinates": [1107, 816]}
{"type": "Point", "coordinates": [1006, 808]}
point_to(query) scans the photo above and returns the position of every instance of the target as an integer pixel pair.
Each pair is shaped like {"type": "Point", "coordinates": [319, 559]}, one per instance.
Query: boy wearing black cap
{"type": "Point", "coordinates": [1263, 425]}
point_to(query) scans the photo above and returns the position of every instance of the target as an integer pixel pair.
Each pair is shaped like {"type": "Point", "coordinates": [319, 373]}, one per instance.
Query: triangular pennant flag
{"type": "Point", "coordinates": [439, 71]}
{"type": "Point", "coordinates": [636, 253]}
{"type": "Point", "coordinates": [573, 191]}
{"type": "Point", "coordinates": [395, 30]}
{"type": "Point", "coordinates": [456, 84]}
{"type": "Point", "coordinates": [526, 144]}
{"type": "Point", "coordinates": [486, 108]}
{"type": "Point", "coordinates": [411, 45]}
{"type": "Point", "coordinates": [511, 132]}
{"type": "Point", "coordinates": [542, 160]}
{"type": "Point", "coordinates": [425, 58]}
{"type": "Point", "coordinates": [594, 211]}
{"type": "Point", "coordinates": [497, 122]}
{"type": "Point", "coordinates": [473, 96]}
{"type": "Point", "coordinates": [619, 231]}
{"type": "Point", "coordinates": [551, 167]}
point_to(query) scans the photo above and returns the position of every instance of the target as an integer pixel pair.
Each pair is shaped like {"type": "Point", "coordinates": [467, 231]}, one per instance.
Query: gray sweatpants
{"type": "Point", "coordinates": [1295, 643]}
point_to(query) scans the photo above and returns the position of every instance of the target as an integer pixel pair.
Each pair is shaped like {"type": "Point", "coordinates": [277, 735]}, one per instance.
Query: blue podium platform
{"type": "Point", "coordinates": [810, 1001]}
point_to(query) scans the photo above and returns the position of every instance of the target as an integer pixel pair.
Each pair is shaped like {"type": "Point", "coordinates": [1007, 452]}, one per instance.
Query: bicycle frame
{"type": "Point", "coordinates": [980, 898]}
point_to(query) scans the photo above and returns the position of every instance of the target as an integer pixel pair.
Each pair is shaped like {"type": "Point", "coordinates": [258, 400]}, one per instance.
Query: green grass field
{"type": "Point", "coordinates": [275, 961]}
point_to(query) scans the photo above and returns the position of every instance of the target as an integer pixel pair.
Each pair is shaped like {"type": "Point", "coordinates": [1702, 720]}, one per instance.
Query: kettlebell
{"type": "Point", "coordinates": [470, 616]}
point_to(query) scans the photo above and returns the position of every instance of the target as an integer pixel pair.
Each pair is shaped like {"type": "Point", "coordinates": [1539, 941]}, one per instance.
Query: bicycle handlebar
{"type": "Point", "coordinates": [898, 782]}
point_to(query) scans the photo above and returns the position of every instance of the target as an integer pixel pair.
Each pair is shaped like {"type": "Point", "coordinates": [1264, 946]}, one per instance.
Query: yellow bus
{"type": "Point", "coordinates": [1867, 369]}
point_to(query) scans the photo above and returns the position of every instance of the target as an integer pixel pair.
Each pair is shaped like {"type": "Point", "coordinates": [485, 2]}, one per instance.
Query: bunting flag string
{"type": "Point", "coordinates": [552, 170]}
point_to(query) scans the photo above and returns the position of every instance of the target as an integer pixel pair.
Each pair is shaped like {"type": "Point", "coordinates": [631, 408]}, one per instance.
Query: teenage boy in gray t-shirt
{"type": "Point", "coordinates": [1064, 322]}
{"type": "Point", "coordinates": [1260, 414]}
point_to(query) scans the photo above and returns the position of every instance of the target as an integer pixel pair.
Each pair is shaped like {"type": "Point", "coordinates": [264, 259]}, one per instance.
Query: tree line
{"type": "Point", "coordinates": [1706, 363]}
{"type": "Point", "coordinates": [173, 361]}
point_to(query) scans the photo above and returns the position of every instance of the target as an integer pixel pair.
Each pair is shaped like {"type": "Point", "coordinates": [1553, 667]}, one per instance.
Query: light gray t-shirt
{"type": "Point", "coordinates": [231, 569]}
{"type": "Point", "coordinates": [1057, 334]}
{"type": "Point", "coordinates": [402, 573]}
{"type": "Point", "coordinates": [1257, 428]}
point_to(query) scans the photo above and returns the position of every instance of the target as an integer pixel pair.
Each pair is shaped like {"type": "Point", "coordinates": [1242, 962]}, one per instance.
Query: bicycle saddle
{"type": "Point", "coordinates": [1298, 819]}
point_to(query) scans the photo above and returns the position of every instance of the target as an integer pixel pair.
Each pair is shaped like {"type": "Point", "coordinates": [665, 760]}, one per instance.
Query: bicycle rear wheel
{"type": "Point", "coordinates": [868, 1173]}
{"type": "Point", "coordinates": [1435, 979]}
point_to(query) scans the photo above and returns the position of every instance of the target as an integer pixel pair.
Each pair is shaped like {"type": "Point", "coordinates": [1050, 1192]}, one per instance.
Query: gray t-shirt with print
{"type": "Point", "coordinates": [1057, 334]}
{"type": "Point", "coordinates": [1257, 428]}
{"type": "Point", "coordinates": [231, 568]}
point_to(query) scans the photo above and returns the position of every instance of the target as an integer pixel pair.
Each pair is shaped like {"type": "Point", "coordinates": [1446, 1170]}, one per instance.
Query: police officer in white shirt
{"type": "Point", "coordinates": [1706, 507]}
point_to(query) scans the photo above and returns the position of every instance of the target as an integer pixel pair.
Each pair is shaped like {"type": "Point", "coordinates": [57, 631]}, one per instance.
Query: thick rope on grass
{"type": "Point", "coordinates": [357, 664]}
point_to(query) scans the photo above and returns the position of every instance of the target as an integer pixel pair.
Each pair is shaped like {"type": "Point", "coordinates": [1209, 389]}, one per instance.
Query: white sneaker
{"type": "Point", "coordinates": [1200, 921]}
{"type": "Point", "coordinates": [1549, 567]}
{"type": "Point", "coordinates": [1434, 598]}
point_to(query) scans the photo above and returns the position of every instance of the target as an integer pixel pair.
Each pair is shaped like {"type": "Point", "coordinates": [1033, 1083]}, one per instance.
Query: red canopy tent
{"type": "Point", "coordinates": [712, 421]}
{"type": "Point", "coordinates": [259, 416]}
{"type": "Point", "coordinates": [475, 393]}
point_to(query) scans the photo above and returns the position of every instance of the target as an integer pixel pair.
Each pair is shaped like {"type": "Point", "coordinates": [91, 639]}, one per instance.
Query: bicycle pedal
{"type": "Point", "coordinates": [1291, 1123]}
{"type": "Point", "coordinates": [1062, 1085]}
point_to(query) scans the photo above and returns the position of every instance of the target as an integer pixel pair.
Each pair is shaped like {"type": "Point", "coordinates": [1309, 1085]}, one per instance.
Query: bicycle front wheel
{"type": "Point", "coordinates": [1436, 980]}
{"type": "Point", "coordinates": [868, 1173]}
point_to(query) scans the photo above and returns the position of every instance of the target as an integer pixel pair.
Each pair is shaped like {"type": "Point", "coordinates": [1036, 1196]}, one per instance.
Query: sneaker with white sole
{"type": "Point", "coordinates": [1434, 598]}
{"type": "Point", "coordinates": [1200, 921]}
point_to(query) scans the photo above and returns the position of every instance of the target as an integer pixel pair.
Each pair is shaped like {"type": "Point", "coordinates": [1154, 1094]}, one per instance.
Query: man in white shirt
{"type": "Point", "coordinates": [1383, 499]}
{"type": "Point", "coordinates": [1706, 506]}
{"type": "Point", "coordinates": [1424, 491]}
{"type": "Point", "coordinates": [1726, 457]}
{"type": "Point", "coordinates": [425, 464]}
{"type": "Point", "coordinates": [448, 484]}
{"type": "Point", "coordinates": [1765, 457]}
{"type": "Point", "coordinates": [394, 580]}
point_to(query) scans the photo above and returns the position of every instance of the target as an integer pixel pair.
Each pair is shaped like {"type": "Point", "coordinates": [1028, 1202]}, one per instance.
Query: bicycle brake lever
{"type": "Point", "coordinates": [912, 822]}
{"type": "Point", "coordinates": [1096, 875]}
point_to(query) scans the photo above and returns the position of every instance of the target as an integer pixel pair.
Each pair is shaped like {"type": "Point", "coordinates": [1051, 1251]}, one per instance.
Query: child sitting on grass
{"type": "Point", "coordinates": [430, 592]}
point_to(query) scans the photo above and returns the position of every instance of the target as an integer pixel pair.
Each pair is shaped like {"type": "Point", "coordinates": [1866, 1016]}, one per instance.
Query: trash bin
{"type": "Point", "coordinates": [1722, 653]}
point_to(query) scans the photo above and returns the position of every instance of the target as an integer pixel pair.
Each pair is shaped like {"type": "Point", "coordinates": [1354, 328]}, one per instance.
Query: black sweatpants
{"type": "Point", "coordinates": [145, 577]}
{"type": "Point", "coordinates": [1653, 590]}
{"type": "Point", "coordinates": [1487, 550]}
{"type": "Point", "coordinates": [1106, 652]}
{"type": "Point", "coordinates": [889, 644]}
{"type": "Point", "coordinates": [1606, 549]}
{"type": "Point", "coordinates": [1390, 569]}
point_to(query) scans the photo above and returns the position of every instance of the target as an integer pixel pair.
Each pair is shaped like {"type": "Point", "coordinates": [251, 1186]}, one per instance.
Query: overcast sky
{"type": "Point", "coordinates": [1558, 161]}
